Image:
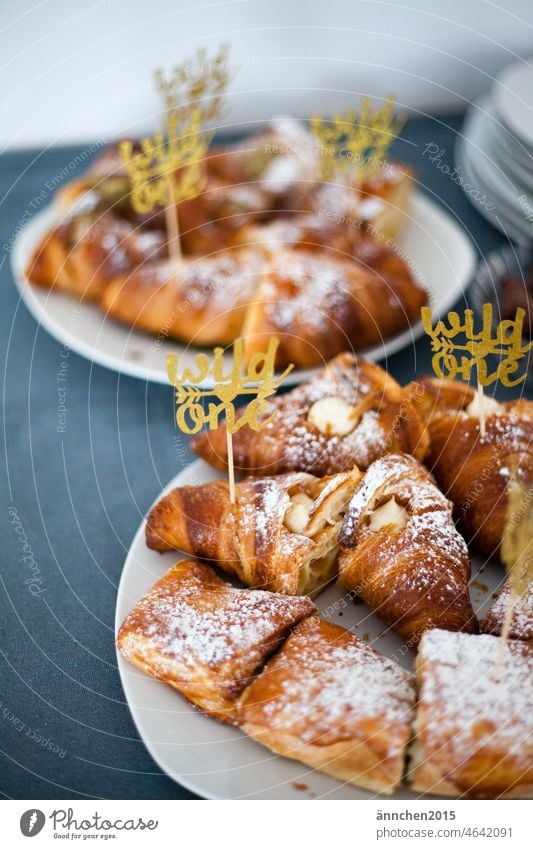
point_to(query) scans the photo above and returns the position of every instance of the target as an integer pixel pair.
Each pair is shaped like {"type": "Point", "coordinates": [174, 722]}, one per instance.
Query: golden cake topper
{"type": "Point", "coordinates": [356, 140]}
{"type": "Point", "coordinates": [200, 82]}
{"type": "Point", "coordinates": [167, 164]}
{"type": "Point", "coordinates": [168, 168]}
{"type": "Point", "coordinates": [259, 380]}
{"type": "Point", "coordinates": [460, 358]}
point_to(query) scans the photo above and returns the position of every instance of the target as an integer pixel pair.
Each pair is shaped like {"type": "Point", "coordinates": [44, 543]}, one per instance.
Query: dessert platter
{"type": "Point", "coordinates": [267, 247]}
{"type": "Point", "coordinates": [334, 630]}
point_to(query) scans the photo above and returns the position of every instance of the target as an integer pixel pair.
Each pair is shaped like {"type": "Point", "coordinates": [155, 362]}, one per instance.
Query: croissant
{"type": "Point", "coordinates": [401, 553]}
{"type": "Point", "coordinates": [202, 301]}
{"type": "Point", "coordinates": [522, 618]}
{"type": "Point", "coordinates": [472, 470]}
{"type": "Point", "coordinates": [320, 305]}
{"type": "Point", "coordinates": [204, 637]}
{"type": "Point", "coordinates": [346, 415]}
{"type": "Point", "coordinates": [474, 729]}
{"type": "Point", "coordinates": [89, 249]}
{"type": "Point", "coordinates": [280, 534]}
{"type": "Point", "coordinates": [330, 701]}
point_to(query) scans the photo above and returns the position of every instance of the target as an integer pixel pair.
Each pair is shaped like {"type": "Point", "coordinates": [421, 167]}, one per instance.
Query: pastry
{"type": "Point", "coordinates": [336, 284]}
{"type": "Point", "coordinates": [202, 301]}
{"type": "Point", "coordinates": [401, 553]}
{"type": "Point", "coordinates": [522, 618]}
{"type": "Point", "coordinates": [473, 470]}
{"type": "Point", "coordinates": [319, 305]}
{"type": "Point", "coordinates": [281, 533]}
{"type": "Point", "coordinates": [474, 734]}
{"type": "Point", "coordinates": [347, 415]}
{"type": "Point", "coordinates": [204, 637]}
{"type": "Point", "coordinates": [89, 249]}
{"type": "Point", "coordinates": [330, 701]}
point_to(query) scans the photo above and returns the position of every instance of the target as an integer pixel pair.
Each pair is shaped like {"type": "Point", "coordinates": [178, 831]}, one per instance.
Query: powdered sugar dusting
{"type": "Point", "coordinates": [464, 708]}
{"type": "Point", "coordinates": [522, 621]}
{"type": "Point", "coordinates": [328, 684]}
{"type": "Point", "coordinates": [196, 617]}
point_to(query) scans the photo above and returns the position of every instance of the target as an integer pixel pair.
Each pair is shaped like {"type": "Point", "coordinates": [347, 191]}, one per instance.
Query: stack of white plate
{"type": "Point", "coordinates": [494, 154]}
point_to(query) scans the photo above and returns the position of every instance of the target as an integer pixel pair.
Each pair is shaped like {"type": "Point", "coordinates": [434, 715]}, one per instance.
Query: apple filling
{"type": "Point", "coordinates": [489, 406]}
{"type": "Point", "coordinates": [333, 416]}
{"type": "Point", "coordinates": [389, 515]}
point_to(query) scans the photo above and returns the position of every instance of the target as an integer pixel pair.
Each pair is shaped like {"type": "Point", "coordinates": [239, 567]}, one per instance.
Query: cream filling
{"type": "Point", "coordinates": [488, 405]}
{"type": "Point", "coordinates": [297, 513]}
{"type": "Point", "coordinates": [333, 416]}
{"type": "Point", "coordinates": [389, 514]}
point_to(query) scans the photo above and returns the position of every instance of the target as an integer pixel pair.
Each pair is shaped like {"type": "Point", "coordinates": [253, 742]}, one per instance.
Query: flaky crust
{"type": "Point", "coordinates": [202, 301]}
{"type": "Point", "coordinates": [474, 734]}
{"type": "Point", "coordinates": [333, 703]}
{"type": "Point", "coordinates": [319, 305]}
{"type": "Point", "coordinates": [204, 637]}
{"type": "Point", "coordinates": [472, 470]}
{"type": "Point", "coordinates": [386, 422]}
{"type": "Point", "coordinates": [250, 539]}
{"type": "Point", "coordinates": [84, 253]}
{"type": "Point", "coordinates": [415, 578]}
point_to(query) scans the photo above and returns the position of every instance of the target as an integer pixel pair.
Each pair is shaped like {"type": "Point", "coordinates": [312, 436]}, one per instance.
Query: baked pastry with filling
{"type": "Point", "coordinates": [474, 471]}
{"type": "Point", "coordinates": [473, 728]}
{"type": "Point", "coordinates": [206, 638]}
{"type": "Point", "coordinates": [330, 701]}
{"type": "Point", "coordinates": [401, 553]}
{"type": "Point", "coordinates": [280, 534]}
{"type": "Point", "coordinates": [347, 415]}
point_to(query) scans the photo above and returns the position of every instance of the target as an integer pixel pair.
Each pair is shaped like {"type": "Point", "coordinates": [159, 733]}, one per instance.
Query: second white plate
{"type": "Point", "coordinates": [215, 760]}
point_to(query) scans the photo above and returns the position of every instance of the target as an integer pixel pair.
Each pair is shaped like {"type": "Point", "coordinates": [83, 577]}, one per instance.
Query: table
{"type": "Point", "coordinates": [72, 500]}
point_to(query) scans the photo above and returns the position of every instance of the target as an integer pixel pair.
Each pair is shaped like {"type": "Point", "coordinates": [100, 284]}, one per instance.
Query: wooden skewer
{"type": "Point", "coordinates": [481, 406]}
{"type": "Point", "coordinates": [172, 224]}
{"type": "Point", "coordinates": [231, 467]}
{"type": "Point", "coordinates": [504, 636]}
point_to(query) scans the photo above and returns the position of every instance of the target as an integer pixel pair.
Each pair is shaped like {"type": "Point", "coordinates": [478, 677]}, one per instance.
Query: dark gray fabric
{"type": "Point", "coordinates": [72, 502]}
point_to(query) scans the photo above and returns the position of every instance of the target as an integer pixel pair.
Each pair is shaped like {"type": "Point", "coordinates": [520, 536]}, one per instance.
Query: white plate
{"type": "Point", "coordinates": [212, 759]}
{"type": "Point", "coordinates": [438, 251]}
{"type": "Point", "coordinates": [485, 162]}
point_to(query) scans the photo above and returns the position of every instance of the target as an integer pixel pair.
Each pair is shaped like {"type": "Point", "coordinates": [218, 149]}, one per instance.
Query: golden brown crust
{"type": "Point", "coordinates": [415, 577]}
{"type": "Point", "coordinates": [474, 734]}
{"type": "Point", "coordinates": [385, 422]}
{"type": "Point", "coordinates": [474, 471]}
{"type": "Point", "coordinates": [269, 177]}
{"type": "Point", "coordinates": [251, 539]}
{"type": "Point", "coordinates": [83, 254]}
{"type": "Point", "coordinates": [330, 701]}
{"type": "Point", "coordinates": [204, 637]}
{"type": "Point", "coordinates": [203, 301]}
{"type": "Point", "coordinates": [320, 305]}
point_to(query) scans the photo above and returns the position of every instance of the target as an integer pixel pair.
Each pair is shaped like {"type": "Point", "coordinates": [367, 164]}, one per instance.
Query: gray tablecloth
{"type": "Point", "coordinates": [71, 502]}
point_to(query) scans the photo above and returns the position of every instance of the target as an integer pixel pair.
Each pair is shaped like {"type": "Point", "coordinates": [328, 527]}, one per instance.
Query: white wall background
{"type": "Point", "coordinates": [77, 70]}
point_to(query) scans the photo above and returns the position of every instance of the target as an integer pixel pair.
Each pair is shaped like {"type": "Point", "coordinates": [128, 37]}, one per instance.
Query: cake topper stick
{"type": "Point", "coordinates": [167, 169]}
{"type": "Point", "coordinates": [356, 141]}
{"type": "Point", "coordinates": [453, 359]}
{"type": "Point", "coordinates": [516, 552]}
{"type": "Point", "coordinates": [260, 380]}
